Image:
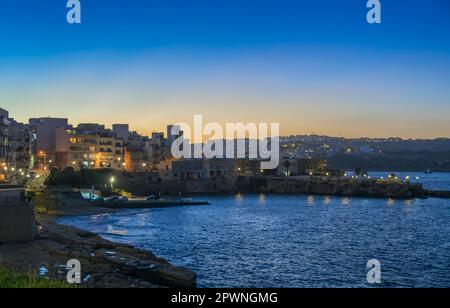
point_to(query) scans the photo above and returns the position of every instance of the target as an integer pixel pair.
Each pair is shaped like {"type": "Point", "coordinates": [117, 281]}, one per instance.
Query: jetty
{"type": "Point", "coordinates": [124, 203]}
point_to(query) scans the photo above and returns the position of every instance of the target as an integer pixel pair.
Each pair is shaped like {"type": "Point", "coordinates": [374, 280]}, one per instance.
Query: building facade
{"type": "Point", "coordinates": [303, 166]}
{"type": "Point", "coordinates": [51, 140]}
{"type": "Point", "coordinates": [5, 147]}
{"type": "Point", "coordinates": [15, 146]}
{"type": "Point", "coordinates": [96, 148]}
{"type": "Point", "coordinates": [203, 169]}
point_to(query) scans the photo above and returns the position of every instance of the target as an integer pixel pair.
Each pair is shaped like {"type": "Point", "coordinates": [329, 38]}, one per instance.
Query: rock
{"type": "Point", "coordinates": [343, 187]}
{"type": "Point", "coordinates": [104, 264]}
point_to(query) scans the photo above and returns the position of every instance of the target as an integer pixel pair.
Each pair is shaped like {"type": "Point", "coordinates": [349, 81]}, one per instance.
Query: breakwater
{"type": "Point", "coordinates": [303, 185]}
{"type": "Point", "coordinates": [341, 187]}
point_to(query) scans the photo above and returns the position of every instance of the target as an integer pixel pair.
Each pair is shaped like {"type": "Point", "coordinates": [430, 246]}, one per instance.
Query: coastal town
{"type": "Point", "coordinates": [48, 143]}
{"type": "Point", "coordinates": [224, 152]}
{"type": "Point", "coordinates": [50, 169]}
{"type": "Point", "coordinates": [52, 152]}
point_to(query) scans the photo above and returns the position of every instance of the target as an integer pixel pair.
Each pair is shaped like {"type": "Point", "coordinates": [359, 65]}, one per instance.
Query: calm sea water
{"type": "Point", "coordinates": [295, 241]}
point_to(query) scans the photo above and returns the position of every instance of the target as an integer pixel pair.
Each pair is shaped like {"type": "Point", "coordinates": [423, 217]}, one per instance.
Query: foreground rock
{"type": "Point", "coordinates": [104, 264]}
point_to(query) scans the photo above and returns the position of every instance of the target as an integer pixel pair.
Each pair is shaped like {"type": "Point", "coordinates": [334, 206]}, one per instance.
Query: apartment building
{"type": "Point", "coordinates": [51, 139]}
{"type": "Point", "coordinates": [21, 138]}
{"type": "Point", "coordinates": [15, 146]}
{"type": "Point", "coordinates": [5, 147]}
{"type": "Point", "coordinates": [93, 146]}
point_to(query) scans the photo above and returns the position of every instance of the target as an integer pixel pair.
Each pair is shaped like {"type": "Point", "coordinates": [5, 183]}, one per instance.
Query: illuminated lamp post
{"type": "Point", "coordinates": [111, 181]}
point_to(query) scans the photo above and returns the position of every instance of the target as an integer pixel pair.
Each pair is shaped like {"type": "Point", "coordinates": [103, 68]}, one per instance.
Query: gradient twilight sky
{"type": "Point", "coordinates": [312, 65]}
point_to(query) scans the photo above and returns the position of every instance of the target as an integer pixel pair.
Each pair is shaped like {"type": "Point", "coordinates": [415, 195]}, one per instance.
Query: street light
{"type": "Point", "coordinates": [43, 154]}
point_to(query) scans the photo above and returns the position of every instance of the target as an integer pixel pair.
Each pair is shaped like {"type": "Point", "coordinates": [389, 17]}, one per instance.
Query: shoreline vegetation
{"type": "Point", "coordinates": [9, 279]}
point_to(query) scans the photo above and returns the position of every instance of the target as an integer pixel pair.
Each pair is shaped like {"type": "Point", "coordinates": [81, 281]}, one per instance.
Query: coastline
{"type": "Point", "coordinates": [104, 264]}
{"type": "Point", "coordinates": [257, 227]}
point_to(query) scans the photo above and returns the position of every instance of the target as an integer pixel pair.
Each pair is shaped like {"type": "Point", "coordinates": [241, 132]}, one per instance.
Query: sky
{"type": "Point", "coordinates": [314, 66]}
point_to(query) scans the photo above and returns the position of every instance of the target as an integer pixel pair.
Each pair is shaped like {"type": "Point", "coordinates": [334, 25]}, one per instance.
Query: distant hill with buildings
{"type": "Point", "coordinates": [394, 154]}
{"type": "Point", "coordinates": [48, 143]}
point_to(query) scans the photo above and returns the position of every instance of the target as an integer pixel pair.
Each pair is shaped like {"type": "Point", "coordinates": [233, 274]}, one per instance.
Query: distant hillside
{"type": "Point", "coordinates": [415, 145]}
{"type": "Point", "coordinates": [437, 161]}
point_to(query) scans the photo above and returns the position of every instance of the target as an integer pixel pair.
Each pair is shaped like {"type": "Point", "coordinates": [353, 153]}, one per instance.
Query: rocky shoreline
{"type": "Point", "coordinates": [301, 185]}
{"type": "Point", "coordinates": [109, 265]}
{"type": "Point", "coordinates": [104, 264]}
{"type": "Point", "coordinates": [345, 187]}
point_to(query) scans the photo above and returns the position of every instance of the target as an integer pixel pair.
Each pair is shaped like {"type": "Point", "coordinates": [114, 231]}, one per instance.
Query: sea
{"type": "Point", "coordinates": [291, 241]}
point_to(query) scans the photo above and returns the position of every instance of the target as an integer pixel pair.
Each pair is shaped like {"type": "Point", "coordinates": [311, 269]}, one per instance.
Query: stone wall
{"type": "Point", "coordinates": [17, 223]}
{"type": "Point", "coordinates": [144, 185]}
{"type": "Point", "coordinates": [343, 187]}
{"type": "Point", "coordinates": [11, 195]}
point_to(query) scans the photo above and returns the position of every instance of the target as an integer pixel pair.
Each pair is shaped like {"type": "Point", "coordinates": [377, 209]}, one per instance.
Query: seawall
{"type": "Point", "coordinates": [341, 187]}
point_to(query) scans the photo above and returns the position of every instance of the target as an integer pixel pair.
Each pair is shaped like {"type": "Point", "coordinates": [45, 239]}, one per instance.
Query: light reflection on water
{"type": "Point", "coordinates": [293, 241]}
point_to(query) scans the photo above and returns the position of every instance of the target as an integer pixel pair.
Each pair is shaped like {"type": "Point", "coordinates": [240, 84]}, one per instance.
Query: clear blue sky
{"type": "Point", "coordinates": [314, 66]}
